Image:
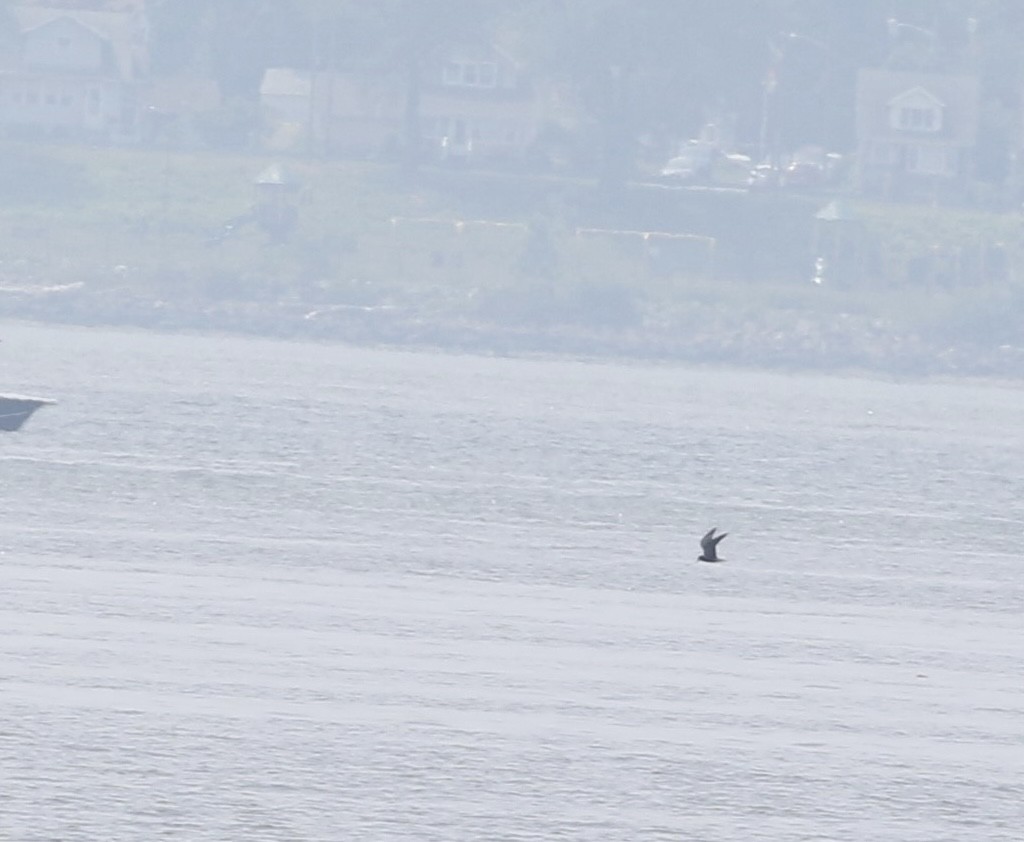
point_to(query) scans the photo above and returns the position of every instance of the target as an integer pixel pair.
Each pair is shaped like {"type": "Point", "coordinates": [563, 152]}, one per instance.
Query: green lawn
{"type": "Point", "coordinates": [150, 223]}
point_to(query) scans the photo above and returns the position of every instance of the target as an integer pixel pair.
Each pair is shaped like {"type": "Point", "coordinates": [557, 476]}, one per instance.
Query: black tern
{"type": "Point", "coordinates": [709, 545]}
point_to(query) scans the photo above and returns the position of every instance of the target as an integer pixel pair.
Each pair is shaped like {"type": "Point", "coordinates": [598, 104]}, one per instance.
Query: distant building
{"type": "Point", "coordinates": [473, 103]}
{"type": "Point", "coordinates": [480, 103]}
{"type": "Point", "coordinates": [916, 133]}
{"type": "Point", "coordinates": [286, 94]}
{"type": "Point", "coordinates": [74, 71]}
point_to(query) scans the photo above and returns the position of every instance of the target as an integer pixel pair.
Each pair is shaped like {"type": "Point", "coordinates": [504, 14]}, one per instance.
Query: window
{"type": "Point", "coordinates": [918, 119]}
{"type": "Point", "coordinates": [470, 74]}
{"type": "Point", "coordinates": [452, 73]}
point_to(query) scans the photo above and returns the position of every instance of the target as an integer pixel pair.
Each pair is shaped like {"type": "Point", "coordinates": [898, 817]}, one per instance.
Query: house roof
{"type": "Point", "coordinates": [123, 31]}
{"type": "Point", "coordinates": [475, 51]}
{"type": "Point", "coordinates": [878, 89]}
{"type": "Point", "coordinates": [285, 81]}
{"type": "Point", "coordinates": [277, 176]}
{"type": "Point", "coordinates": [917, 95]}
{"type": "Point", "coordinates": [837, 211]}
{"type": "Point", "coordinates": [93, 5]}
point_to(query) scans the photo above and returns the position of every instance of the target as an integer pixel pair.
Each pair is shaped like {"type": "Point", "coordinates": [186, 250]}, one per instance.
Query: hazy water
{"type": "Point", "coordinates": [282, 591]}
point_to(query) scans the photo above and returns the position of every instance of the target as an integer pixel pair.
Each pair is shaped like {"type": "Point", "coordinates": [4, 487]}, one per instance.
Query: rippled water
{"type": "Point", "coordinates": [279, 591]}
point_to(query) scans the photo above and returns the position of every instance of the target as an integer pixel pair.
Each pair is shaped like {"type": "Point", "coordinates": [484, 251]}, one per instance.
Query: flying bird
{"type": "Point", "coordinates": [709, 545]}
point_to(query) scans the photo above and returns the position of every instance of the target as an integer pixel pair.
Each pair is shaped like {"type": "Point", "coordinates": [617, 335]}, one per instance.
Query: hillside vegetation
{"type": "Point", "coordinates": [126, 236]}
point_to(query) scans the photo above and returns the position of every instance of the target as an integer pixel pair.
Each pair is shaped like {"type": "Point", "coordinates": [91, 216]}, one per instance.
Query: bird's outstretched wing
{"type": "Point", "coordinates": [709, 545]}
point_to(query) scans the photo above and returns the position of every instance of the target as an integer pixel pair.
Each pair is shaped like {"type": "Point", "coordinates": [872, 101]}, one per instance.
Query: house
{"type": "Point", "coordinates": [74, 71]}
{"type": "Point", "coordinates": [480, 103]}
{"type": "Point", "coordinates": [285, 94]}
{"type": "Point", "coordinates": [916, 133]}
{"type": "Point", "coordinates": [475, 103]}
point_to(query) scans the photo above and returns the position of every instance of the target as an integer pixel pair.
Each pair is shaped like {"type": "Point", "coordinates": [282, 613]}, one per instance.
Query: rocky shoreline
{"type": "Point", "coordinates": [777, 340]}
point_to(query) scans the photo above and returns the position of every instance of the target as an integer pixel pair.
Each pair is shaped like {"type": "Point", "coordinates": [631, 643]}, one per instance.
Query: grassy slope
{"type": "Point", "coordinates": [136, 225]}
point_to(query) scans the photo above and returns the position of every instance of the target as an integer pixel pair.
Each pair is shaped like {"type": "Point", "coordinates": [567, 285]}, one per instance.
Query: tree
{"type": "Point", "coordinates": [233, 41]}
{"type": "Point", "coordinates": [8, 25]}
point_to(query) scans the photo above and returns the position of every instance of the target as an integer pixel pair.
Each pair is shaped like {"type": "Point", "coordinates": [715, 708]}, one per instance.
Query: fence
{"type": "Point", "coordinates": [655, 252]}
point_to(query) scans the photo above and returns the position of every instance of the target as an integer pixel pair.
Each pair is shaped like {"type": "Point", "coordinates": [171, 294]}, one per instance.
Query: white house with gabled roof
{"type": "Point", "coordinates": [917, 110]}
{"type": "Point", "coordinates": [74, 71]}
{"type": "Point", "coordinates": [472, 102]}
{"type": "Point", "coordinates": [915, 131]}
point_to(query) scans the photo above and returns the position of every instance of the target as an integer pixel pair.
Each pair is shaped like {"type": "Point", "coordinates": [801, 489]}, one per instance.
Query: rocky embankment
{"type": "Point", "coordinates": [781, 339]}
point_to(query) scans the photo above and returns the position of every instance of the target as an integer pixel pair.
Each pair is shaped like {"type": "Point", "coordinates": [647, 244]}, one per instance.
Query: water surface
{"type": "Point", "coordinates": [269, 590]}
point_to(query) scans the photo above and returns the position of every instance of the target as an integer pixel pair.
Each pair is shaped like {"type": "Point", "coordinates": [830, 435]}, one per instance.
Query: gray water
{"type": "Point", "coordinates": [258, 590]}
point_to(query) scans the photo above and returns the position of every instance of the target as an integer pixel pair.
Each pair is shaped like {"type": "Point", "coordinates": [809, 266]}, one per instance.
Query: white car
{"type": "Point", "coordinates": [687, 168]}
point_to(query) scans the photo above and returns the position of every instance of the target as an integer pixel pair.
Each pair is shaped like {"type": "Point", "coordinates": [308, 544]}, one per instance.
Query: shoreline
{"type": "Point", "coordinates": [137, 239]}
{"type": "Point", "coordinates": [781, 341]}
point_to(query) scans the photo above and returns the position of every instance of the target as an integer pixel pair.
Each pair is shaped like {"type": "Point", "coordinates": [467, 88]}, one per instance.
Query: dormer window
{"type": "Point", "coordinates": [918, 119]}
{"type": "Point", "coordinates": [916, 110]}
{"type": "Point", "coordinates": [470, 74]}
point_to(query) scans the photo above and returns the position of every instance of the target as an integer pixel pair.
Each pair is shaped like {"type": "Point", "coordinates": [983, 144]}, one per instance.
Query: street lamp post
{"type": "Point", "coordinates": [767, 146]}
{"type": "Point", "coordinates": [897, 28]}
{"type": "Point", "coordinates": [768, 88]}
{"type": "Point", "coordinates": [615, 165]}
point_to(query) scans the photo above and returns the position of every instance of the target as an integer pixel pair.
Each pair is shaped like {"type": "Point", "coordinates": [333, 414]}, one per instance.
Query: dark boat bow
{"type": "Point", "coordinates": [15, 410]}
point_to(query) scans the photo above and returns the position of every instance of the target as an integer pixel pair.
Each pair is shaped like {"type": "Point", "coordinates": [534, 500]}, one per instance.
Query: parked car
{"type": "Point", "coordinates": [691, 165]}
{"type": "Point", "coordinates": [807, 168]}
{"type": "Point", "coordinates": [764, 177]}
{"type": "Point", "coordinates": [803, 174]}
